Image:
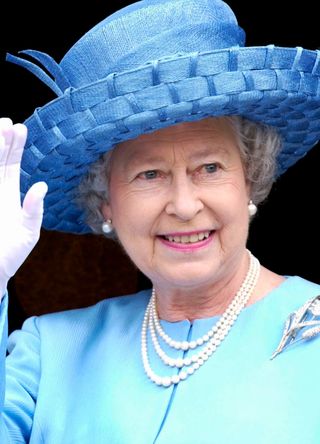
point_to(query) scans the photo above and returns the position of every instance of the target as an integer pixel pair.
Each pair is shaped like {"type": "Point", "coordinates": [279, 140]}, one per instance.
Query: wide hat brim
{"type": "Point", "coordinates": [273, 85]}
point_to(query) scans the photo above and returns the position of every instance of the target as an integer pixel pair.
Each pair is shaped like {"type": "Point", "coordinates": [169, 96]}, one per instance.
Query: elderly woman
{"type": "Point", "coordinates": [168, 143]}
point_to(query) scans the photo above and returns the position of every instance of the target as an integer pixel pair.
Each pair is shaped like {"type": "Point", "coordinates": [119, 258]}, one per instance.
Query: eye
{"type": "Point", "coordinates": [149, 175]}
{"type": "Point", "coordinates": [211, 168]}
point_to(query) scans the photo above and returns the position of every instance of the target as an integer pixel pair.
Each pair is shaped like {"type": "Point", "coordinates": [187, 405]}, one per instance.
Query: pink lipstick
{"type": "Point", "coordinates": [187, 241]}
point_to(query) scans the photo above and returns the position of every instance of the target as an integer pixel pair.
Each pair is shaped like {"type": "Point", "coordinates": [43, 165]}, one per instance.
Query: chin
{"type": "Point", "coordinates": [189, 276]}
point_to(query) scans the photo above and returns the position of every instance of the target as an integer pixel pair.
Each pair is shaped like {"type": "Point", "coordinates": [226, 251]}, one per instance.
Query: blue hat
{"type": "Point", "coordinates": [150, 65]}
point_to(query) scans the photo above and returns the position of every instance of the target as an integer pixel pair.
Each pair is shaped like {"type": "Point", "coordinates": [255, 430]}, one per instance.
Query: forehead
{"type": "Point", "coordinates": [210, 127]}
{"type": "Point", "coordinates": [211, 134]}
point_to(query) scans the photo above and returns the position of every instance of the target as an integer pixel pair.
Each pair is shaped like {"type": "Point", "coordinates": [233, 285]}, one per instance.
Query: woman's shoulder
{"type": "Point", "coordinates": [113, 308]}
{"type": "Point", "coordinates": [271, 284]}
{"type": "Point", "coordinates": [295, 284]}
{"type": "Point", "coordinates": [286, 296]}
{"type": "Point", "coordinates": [290, 294]}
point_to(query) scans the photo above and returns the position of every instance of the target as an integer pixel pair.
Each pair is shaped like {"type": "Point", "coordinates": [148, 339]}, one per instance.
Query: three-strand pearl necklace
{"type": "Point", "coordinates": [209, 342]}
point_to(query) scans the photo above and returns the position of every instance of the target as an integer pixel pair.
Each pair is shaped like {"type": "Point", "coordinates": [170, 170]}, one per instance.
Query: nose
{"type": "Point", "coordinates": [184, 201]}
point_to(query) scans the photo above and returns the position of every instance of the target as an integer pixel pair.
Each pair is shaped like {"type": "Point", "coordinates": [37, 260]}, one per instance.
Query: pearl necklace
{"type": "Point", "coordinates": [209, 341]}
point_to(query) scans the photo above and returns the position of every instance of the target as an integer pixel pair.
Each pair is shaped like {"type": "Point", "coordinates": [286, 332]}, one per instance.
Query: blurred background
{"type": "Point", "coordinates": [68, 271]}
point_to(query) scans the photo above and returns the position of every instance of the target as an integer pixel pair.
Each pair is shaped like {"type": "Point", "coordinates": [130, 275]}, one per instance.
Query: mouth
{"type": "Point", "coordinates": [187, 238]}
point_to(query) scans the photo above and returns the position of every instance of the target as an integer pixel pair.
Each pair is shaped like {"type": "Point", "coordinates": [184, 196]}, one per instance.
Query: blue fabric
{"type": "Point", "coordinates": [77, 377]}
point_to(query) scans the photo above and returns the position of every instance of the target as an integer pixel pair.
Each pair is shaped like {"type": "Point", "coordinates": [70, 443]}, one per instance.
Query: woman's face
{"type": "Point", "coordinates": [179, 203]}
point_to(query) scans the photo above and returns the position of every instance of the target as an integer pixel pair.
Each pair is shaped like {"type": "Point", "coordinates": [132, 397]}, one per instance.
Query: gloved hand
{"type": "Point", "coordinates": [19, 226]}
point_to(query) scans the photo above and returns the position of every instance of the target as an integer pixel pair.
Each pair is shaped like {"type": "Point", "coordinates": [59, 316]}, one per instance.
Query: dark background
{"type": "Point", "coordinates": [66, 271]}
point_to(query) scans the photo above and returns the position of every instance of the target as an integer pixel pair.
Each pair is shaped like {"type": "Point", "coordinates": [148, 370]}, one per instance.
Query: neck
{"type": "Point", "coordinates": [176, 304]}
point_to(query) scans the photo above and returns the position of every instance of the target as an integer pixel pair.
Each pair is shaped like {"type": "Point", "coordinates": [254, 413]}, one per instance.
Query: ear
{"type": "Point", "coordinates": [106, 210]}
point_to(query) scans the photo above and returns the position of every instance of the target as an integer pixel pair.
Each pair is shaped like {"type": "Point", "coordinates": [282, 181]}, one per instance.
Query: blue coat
{"type": "Point", "coordinates": [76, 377]}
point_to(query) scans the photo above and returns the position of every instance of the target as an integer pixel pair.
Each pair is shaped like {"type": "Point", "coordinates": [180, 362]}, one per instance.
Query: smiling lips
{"type": "Point", "coordinates": [187, 241]}
{"type": "Point", "coordinates": [188, 238]}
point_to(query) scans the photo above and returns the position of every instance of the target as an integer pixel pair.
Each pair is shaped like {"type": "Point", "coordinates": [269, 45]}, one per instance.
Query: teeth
{"type": "Point", "coordinates": [189, 239]}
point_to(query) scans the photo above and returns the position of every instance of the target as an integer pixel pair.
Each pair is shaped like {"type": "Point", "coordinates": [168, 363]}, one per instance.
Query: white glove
{"type": "Point", "coordinates": [19, 227]}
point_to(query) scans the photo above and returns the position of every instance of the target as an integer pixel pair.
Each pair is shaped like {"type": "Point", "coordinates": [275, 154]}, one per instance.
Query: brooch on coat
{"type": "Point", "coordinates": [301, 325]}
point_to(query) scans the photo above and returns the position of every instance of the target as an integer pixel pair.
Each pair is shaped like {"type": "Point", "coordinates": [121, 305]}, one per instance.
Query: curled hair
{"type": "Point", "coordinates": [93, 192]}
{"type": "Point", "coordinates": [259, 146]}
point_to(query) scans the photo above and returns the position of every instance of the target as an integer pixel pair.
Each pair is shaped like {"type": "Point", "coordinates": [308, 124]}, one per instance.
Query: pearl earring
{"type": "Point", "coordinates": [107, 226]}
{"type": "Point", "coordinates": [252, 208]}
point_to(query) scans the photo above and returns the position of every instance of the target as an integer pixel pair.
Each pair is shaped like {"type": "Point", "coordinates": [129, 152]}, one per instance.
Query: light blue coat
{"type": "Point", "coordinates": [76, 377]}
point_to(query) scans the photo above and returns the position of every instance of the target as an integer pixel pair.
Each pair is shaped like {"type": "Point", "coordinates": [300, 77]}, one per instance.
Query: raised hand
{"type": "Point", "coordinates": [19, 225]}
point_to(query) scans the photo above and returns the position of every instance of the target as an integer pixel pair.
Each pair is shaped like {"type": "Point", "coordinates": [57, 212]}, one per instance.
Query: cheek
{"type": "Point", "coordinates": [133, 217]}
{"type": "Point", "coordinates": [233, 217]}
{"type": "Point", "coordinates": [234, 227]}
{"type": "Point", "coordinates": [236, 220]}
{"type": "Point", "coordinates": [231, 203]}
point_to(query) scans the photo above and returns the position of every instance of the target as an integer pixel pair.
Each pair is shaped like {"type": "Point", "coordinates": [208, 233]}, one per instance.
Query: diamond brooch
{"type": "Point", "coordinates": [303, 324]}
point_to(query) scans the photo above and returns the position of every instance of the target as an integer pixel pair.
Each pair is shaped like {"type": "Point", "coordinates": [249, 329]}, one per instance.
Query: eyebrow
{"type": "Point", "coordinates": [138, 160]}
{"type": "Point", "coordinates": [208, 151]}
